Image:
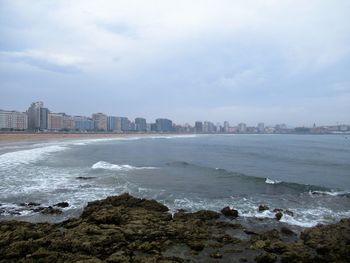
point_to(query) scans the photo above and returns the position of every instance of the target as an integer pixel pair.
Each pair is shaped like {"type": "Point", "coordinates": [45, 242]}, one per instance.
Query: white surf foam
{"type": "Point", "coordinates": [330, 193]}
{"type": "Point", "coordinates": [118, 167]}
{"type": "Point", "coordinates": [28, 156]}
{"type": "Point", "coordinates": [269, 181]}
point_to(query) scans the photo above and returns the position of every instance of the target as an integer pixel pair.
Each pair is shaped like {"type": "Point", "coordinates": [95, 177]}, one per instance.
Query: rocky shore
{"type": "Point", "coordinates": [127, 229]}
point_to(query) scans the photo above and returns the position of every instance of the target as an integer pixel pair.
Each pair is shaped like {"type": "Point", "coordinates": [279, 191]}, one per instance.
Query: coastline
{"type": "Point", "coordinates": [128, 229]}
{"type": "Point", "coordinates": [27, 137]}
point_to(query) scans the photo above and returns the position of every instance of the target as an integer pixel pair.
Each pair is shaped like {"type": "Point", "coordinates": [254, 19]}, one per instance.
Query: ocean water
{"type": "Point", "coordinates": [306, 174]}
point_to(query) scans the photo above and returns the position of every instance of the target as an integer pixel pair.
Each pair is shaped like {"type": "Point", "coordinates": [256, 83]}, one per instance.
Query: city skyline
{"type": "Point", "coordinates": [271, 61]}
{"type": "Point", "coordinates": [40, 118]}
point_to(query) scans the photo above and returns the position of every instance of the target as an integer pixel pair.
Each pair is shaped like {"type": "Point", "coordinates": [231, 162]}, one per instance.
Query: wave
{"type": "Point", "coordinates": [119, 167]}
{"type": "Point", "coordinates": [269, 181]}
{"type": "Point", "coordinates": [331, 193]}
{"type": "Point", "coordinates": [11, 159]}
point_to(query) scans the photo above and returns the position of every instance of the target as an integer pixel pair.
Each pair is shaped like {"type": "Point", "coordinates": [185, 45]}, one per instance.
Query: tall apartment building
{"type": "Point", "coordinates": [13, 120]}
{"type": "Point", "coordinates": [55, 121]}
{"type": "Point", "coordinates": [140, 124]}
{"type": "Point", "coordinates": [83, 123]}
{"type": "Point", "coordinates": [112, 123]}
{"type": "Point", "coordinates": [68, 122]}
{"type": "Point", "coordinates": [226, 126]}
{"type": "Point", "coordinates": [34, 115]}
{"type": "Point", "coordinates": [123, 124]}
{"type": "Point", "coordinates": [100, 121]}
{"type": "Point", "coordinates": [242, 128]}
{"type": "Point", "coordinates": [44, 118]}
{"type": "Point", "coordinates": [198, 126]}
{"type": "Point", "coordinates": [164, 125]}
{"type": "Point", "coordinates": [209, 127]}
{"type": "Point", "coordinates": [261, 127]}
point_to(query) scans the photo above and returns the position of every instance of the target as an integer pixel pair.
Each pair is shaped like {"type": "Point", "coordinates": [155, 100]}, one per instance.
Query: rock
{"type": "Point", "coordinates": [84, 178]}
{"type": "Point", "coordinates": [51, 211]}
{"type": "Point", "coordinates": [266, 258]}
{"type": "Point", "coordinates": [62, 204]}
{"type": "Point", "coordinates": [287, 231]}
{"type": "Point", "coordinates": [278, 216]}
{"type": "Point", "coordinates": [276, 210]}
{"type": "Point", "coordinates": [288, 212]}
{"type": "Point", "coordinates": [196, 245]}
{"type": "Point", "coordinates": [215, 255]}
{"type": "Point", "coordinates": [263, 208]}
{"type": "Point", "coordinates": [227, 211]}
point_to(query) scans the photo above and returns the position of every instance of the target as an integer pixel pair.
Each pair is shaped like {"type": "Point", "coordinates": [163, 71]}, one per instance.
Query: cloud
{"type": "Point", "coordinates": [57, 62]}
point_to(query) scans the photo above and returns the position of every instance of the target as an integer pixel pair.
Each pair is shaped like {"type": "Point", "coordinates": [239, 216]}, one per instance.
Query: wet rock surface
{"type": "Point", "coordinates": [127, 229]}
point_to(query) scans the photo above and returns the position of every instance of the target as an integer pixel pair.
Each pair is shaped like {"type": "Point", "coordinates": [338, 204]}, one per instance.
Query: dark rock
{"type": "Point", "coordinates": [33, 204]}
{"type": "Point", "coordinates": [287, 231]}
{"type": "Point", "coordinates": [215, 255]}
{"type": "Point", "coordinates": [51, 211]}
{"type": "Point", "coordinates": [266, 258]}
{"type": "Point", "coordinates": [250, 232]}
{"type": "Point", "coordinates": [277, 210]}
{"type": "Point", "coordinates": [227, 211]}
{"type": "Point", "coordinates": [196, 245]}
{"type": "Point", "coordinates": [62, 204]}
{"type": "Point", "coordinates": [288, 212]}
{"type": "Point", "coordinates": [278, 215]}
{"type": "Point", "coordinates": [84, 178]}
{"type": "Point", "coordinates": [263, 208]}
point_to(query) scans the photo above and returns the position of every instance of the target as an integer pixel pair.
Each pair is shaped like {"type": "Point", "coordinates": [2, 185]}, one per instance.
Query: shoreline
{"type": "Point", "coordinates": [128, 229]}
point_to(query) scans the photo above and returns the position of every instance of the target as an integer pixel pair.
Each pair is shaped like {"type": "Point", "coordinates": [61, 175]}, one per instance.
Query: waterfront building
{"type": "Point", "coordinates": [112, 123]}
{"type": "Point", "coordinates": [44, 117]}
{"type": "Point", "coordinates": [164, 125]}
{"type": "Point", "coordinates": [140, 124]}
{"type": "Point", "coordinates": [82, 123]}
{"type": "Point", "coordinates": [68, 122]}
{"type": "Point", "coordinates": [198, 126]}
{"type": "Point", "coordinates": [34, 115]}
{"type": "Point", "coordinates": [100, 120]}
{"type": "Point", "coordinates": [209, 127]}
{"type": "Point", "coordinates": [226, 126]}
{"type": "Point", "coordinates": [242, 128]}
{"type": "Point", "coordinates": [13, 120]}
{"type": "Point", "coordinates": [261, 127]}
{"type": "Point", "coordinates": [153, 127]}
{"type": "Point", "coordinates": [55, 121]}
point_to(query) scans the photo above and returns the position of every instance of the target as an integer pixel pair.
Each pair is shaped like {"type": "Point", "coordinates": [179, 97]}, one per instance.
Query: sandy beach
{"type": "Point", "coordinates": [13, 137]}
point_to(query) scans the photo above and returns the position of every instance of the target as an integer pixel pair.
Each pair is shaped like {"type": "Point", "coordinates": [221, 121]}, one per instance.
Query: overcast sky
{"type": "Point", "coordinates": [243, 61]}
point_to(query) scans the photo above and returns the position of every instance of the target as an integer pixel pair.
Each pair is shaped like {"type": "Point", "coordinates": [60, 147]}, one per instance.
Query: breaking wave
{"type": "Point", "coordinates": [119, 167]}
{"type": "Point", "coordinates": [269, 181]}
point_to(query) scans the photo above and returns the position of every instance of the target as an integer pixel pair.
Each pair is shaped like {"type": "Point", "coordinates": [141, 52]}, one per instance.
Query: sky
{"type": "Point", "coordinates": [249, 61]}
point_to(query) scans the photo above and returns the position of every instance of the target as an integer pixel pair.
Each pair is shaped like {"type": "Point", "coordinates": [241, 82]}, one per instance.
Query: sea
{"type": "Point", "coordinates": [308, 175]}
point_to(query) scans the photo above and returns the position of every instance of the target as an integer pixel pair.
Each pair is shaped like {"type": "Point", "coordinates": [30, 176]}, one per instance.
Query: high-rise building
{"type": "Point", "coordinates": [44, 117]}
{"type": "Point", "coordinates": [100, 120]}
{"type": "Point", "coordinates": [55, 121]}
{"type": "Point", "coordinates": [198, 126]}
{"type": "Point", "coordinates": [164, 125]}
{"type": "Point", "coordinates": [68, 122]}
{"type": "Point", "coordinates": [261, 127]}
{"type": "Point", "coordinates": [83, 123]}
{"type": "Point", "coordinates": [112, 123]}
{"type": "Point", "coordinates": [140, 124]}
{"type": "Point", "coordinates": [13, 120]}
{"type": "Point", "coordinates": [242, 128]}
{"type": "Point", "coordinates": [209, 127]}
{"type": "Point", "coordinates": [34, 115]}
{"type": "Point", "coordinates": [226, 126]}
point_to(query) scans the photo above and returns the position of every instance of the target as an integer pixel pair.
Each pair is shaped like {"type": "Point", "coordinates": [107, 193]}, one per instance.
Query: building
{"type": "Point", "coordinates": [209, 127]}
{"type": "Point", "coordinates": [13, 120]}
{"type": "Point", "coordinates": [164, 125]}
{"type": "Point", "coordinates": [226, 127]}
{"type": "Point", "coordinates": [261, 127]}
{"type": "Point", "coordinates": [242, 128]}
{"type": "Point", "coordinates": [55, 121]}
{"type": "Point", "coordinates": [68, 122]}
{"type": "Point", "coordinates": [123, 124]}
{"type": "Point", "coordinates": [34, 115]}
{"type": "Point", "coordinates": [100, 121]}
{"type": "Point", "coordinates": [112, 123]}
{"type": "Point", "coordinates": [44, 118]}
{"type": "Point", "coordinates": [82, 123]}
{"type": "Point", "coordinates": [140, 124]}
{"type": "Point", "coordinates": [198, 126]}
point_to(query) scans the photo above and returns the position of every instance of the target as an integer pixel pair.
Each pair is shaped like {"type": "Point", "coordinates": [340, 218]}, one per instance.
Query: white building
{"type": "Point", "coordinates": [13, 120]}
